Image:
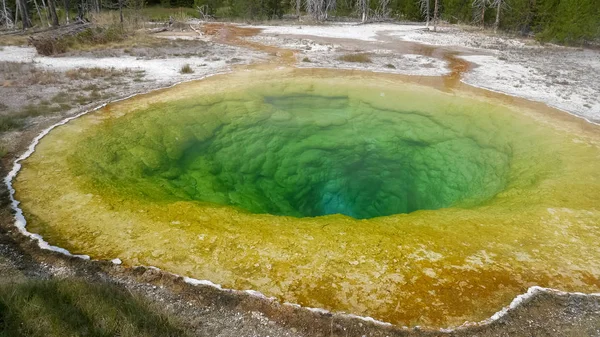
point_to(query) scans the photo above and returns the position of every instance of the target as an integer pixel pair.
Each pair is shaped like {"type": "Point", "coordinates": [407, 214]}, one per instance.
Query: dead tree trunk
{"type": "Point", "coordinates": [329, 5]}
{"type": "Point", "coordinates": [37, 8]}
{"type": "Point", "coordinates": [498, 4]}
{"type": "Point", "coordinates": [425, 10]}
{"type": "Point", "coordinates": [382, 12]}
{"type": "Point", "coordinates": [363, 7]}
{"type": "Point", "coordinates": [435, 15]}
{"type": "Point", "coordinates": [22, 4]}
{"type": "Point", "coordinates": [52, 11]}
{"type": "Point", "coordinates": [121, 11]}
{"type": "Point", "coordinates": [479, 7]}
{"type": "Point", "coordinates": [66, 4]}
{"type": "Point", "coordinates": [483, 17]}
{"type": "Point", "coordinates": [81, 9]}
{"type": "Point", "coordinates": [314, 8]}
{"type": "Point", "coordinates": [16, 12]}
{"type": "Point", "coordinates": [497, 22]}
{"type": "Point", "coordinates": [298, 4]}
{"type": "Point", "coordinates": [47, 16]}
{"type": "Point", "coordinates": [6, 17]}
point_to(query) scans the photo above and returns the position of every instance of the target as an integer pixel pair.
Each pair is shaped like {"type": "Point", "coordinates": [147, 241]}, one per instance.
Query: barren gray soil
{"type": "Point", "coordinates": [33, 97]}
{"type": "Point", "coordinates": [562, 77]}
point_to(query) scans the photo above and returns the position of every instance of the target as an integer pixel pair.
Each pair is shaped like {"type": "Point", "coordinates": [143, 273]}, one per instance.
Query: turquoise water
{"type": "Point", "coordinates": [306, 156]}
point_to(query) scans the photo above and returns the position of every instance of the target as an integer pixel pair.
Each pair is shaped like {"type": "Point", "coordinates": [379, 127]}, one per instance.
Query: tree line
{"type": "Point", "coordinates": [53, 13]}
{"type": "Point", "coordinates": [563, 21]}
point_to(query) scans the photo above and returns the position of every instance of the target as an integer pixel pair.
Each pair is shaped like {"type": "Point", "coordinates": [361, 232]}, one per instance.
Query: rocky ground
{"type": "Point", "coordinates": [39, 91]}
{"type": "Point", "coordinates": [562, 77]}
{"type": "Point", "coordinates": [44, 89]}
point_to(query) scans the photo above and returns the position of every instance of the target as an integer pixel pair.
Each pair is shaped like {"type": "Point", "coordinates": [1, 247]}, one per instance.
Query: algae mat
{"type": "Point", "coordinates": [353, 192]}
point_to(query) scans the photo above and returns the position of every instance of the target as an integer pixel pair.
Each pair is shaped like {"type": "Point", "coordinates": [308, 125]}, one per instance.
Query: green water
{"type": "Point", "coordinates": [302, 156]}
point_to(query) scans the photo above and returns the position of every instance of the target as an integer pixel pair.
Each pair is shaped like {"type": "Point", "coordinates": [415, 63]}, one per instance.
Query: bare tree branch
{"type": "Point", "coordinates": [37, 8]}
{"type": "Point", "coordinates": [498, 4]}
{"type": "Point", "coordinates": [479, 7]}
{"type": "Point", "coordinates": [52, 12]}
{"type": "Point", "coordinates": [298, 6]}
{"type": "Point", "coordinates": [435, 15]}
{"type": "Point", "coordinates": [382, 11]}
{"type": "Point", "coordinates": [5, 16]}
{"type": "Point", "coordinates": [362, 6]}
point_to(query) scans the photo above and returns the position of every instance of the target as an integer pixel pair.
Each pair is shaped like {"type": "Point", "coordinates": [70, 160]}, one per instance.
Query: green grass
{"type": "Point", "coordinates": [10, 122]}
{"type": "Point", "coordinates": [357, 58]}
{"type": "Point", "coordinates": [74, 308]}
{"type": "Point", "coordinates": [60, 102]}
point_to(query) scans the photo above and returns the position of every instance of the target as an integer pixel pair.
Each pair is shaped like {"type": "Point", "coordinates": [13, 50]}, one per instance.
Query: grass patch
{"type": "Point", "coordinates": [61, 97]}
{"type": "Point", "coordinates": [139, 75]}
{"type": "Point", "coordinates": [91, 87]}
{"type": "Point", "coordinates": [186, 69]}
{"type": "Point", "coordinates": [43, 77]}
{"type": "Point", "coordinates": [161, 14]}
{"type": "Point", "coordinates": [81, 99]}
{"type": "Point", "coordinates": [357, 58]}
{"type": "Point", "coordinates": [33, 110]}
{"type": "Point", "coordinates": [74, 308]}
{"type": "Point", "coordinates": [63, 106]}
{"type": "Point", "coordinates": [8, 123]}
{"type": "Point", "coordinates": [24, 74]}
{"type": "Point", "coordinates": [14, 40]}
{"type": "Point", "coordinates": [94, 73]}
{"type": "Point", "coordinates": [15, 120]}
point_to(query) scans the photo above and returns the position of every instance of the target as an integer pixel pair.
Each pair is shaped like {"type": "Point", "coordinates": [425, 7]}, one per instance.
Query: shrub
{"type": "Point", "coordinates": [99, 35]}
{"type": "Point", "coordinates": [94, 73]}
{"type": "Point", "coordinates": [51, 45]}
{"type": "Point", "coordinates": [186, 69]}
{"type": "Point", "coordinates": [358, 58]}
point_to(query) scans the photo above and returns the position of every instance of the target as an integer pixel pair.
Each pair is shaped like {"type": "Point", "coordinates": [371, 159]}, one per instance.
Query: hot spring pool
{"type": "Point", "coordinates": [351, 192]}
